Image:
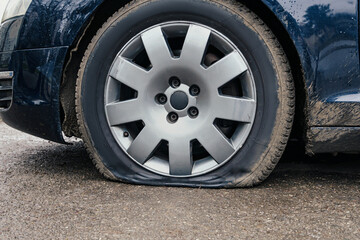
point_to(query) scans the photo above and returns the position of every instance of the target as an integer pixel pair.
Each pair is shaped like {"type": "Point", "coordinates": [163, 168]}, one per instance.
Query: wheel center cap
{"type": "Point", "coordinates": [179, 100]}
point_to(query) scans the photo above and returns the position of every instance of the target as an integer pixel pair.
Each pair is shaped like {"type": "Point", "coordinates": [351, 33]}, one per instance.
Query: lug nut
{"type": "Point", "coordinates": [175, 82]}
{"type": "Point", "coordinates": [126, 134]}
{"type": "Point", "coordinates": [194, 90]}
{"type": "Point", "coordinates": [193, 112]}
{"type": "Point", "coordinates": [161, 99]}
{"type": "Point", "coordinates": [173, 117]}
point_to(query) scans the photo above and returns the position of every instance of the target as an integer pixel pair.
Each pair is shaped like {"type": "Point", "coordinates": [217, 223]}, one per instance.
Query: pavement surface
{"type": "Point", "coordinates": [52, 191]}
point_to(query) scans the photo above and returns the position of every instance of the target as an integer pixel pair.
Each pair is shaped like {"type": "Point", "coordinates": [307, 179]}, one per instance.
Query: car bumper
{"type": "Point", "coordinates": [35, 107]}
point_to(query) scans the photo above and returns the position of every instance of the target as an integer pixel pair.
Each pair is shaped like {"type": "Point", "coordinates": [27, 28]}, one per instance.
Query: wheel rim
{"type": "Point", "coordinates": [180, 99]}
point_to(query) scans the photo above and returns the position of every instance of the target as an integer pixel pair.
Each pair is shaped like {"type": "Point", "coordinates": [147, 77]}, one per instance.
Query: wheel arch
{"type": "Point", "coordinates": [107, 8]}
{"type": "Point", "coordinates": [288, 36]}
{"type": "Point", "coordinates": [73, 61]}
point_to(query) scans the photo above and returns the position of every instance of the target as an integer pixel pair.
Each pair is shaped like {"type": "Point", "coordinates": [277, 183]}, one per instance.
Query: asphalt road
{"type": "Point", "coordinates": [52, 191]}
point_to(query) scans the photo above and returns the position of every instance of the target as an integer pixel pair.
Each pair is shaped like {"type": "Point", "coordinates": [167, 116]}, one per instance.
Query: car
{"type": "Point", "coordinates": [196, 93]}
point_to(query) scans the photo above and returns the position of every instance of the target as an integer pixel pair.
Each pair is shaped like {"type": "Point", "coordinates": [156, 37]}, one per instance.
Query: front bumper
{"type": "Point", "coordinates": [35, 107]}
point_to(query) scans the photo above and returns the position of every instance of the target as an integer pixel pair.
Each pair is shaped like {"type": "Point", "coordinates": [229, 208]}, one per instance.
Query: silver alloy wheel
{"type": "Point", "coordinates": [180, 99]}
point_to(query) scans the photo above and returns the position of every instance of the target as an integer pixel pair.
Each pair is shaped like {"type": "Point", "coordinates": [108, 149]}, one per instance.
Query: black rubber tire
{"type": "Point", "coordinates": [273, 79]}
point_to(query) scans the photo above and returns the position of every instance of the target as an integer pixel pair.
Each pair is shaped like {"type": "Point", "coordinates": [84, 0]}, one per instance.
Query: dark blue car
{"type": "Point", "coordinates": [184, 92]}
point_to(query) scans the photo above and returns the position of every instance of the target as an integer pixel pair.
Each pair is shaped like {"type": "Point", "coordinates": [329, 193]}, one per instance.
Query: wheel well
{"type": "Point", "coordinates": [73, 61]}
{"type": "Point", "coordinates": [108, 8]}
{"type": "Point", "coordinates": [299, 130]}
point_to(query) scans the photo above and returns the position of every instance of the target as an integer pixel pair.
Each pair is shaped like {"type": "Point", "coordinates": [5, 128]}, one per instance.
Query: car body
{"type": "Point", "coordinates": [39, 48]}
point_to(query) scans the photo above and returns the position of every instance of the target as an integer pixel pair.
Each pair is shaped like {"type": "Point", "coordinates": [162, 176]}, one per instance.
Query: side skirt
{"type": "Point", "coordinates": [333, 139]}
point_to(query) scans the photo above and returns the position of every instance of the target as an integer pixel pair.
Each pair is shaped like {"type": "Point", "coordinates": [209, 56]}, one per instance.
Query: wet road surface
{"type": "Point", "coordinates": [52, 191]}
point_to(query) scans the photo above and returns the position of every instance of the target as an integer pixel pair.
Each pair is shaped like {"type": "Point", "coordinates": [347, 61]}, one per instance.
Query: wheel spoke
{"type": "Point", "coordinates": [180, 158]}
{"type": "Point", "coordinates": [217, 145]}
{"type": "Point", "coordinates": [144, 145]}
{"type": "Point", "coordinates": [226, 69]}
{"type": "Point", "coordinates": [124, 112]}
{"type": "Point", "coordinates": [129, 74]}
{"type": "Point", "coordinates": [156, 47]}
{"type": "Point", "coordinates": [235, 109]}
{"type": "Point", "coordinates": [195, 45]}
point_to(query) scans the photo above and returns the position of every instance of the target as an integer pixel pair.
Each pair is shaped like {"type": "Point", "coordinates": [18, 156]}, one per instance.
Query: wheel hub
{"type": "Point", "coordinates": [179, 100]}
